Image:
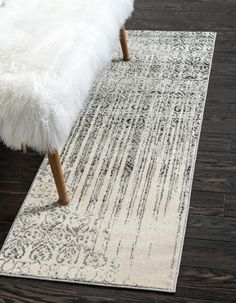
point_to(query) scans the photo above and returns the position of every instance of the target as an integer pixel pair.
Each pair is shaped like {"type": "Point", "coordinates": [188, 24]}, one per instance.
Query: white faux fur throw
{"type": "Point", "coordinates": [50, 53]}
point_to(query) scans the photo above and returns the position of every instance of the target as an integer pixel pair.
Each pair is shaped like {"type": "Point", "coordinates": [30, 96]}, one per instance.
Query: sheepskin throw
{"type": "Point", "coordinates": [50, 53]}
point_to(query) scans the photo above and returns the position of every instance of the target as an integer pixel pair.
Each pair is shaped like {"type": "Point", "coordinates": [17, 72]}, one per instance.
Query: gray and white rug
{"type": "Point", "coordinates": [129, 166]}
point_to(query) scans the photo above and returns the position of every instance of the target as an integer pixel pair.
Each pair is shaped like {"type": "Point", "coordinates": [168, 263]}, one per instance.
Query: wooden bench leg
{"type": "Point", "coordinates": [124, 44]}
{"type": "Point", "coordinates": [54, 160]}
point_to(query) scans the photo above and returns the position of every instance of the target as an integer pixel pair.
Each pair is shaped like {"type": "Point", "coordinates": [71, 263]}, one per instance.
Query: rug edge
{"type": "Point", "coordinates": [168, 290]}
{"type": "Point", "coordinates": [194, 165]}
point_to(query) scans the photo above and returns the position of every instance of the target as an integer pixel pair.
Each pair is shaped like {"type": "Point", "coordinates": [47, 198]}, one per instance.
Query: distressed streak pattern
{"type": "Point", "coordinates": [129, 165]}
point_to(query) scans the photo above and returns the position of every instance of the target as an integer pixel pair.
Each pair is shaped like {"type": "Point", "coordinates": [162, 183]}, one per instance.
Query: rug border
{"type": "Point", "coordinates": [194, 165]}
{"type": "Point", "coordinates": [168, 290]}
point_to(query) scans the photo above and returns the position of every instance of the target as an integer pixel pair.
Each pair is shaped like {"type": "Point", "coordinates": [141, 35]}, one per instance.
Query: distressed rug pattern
{"type": "Point", "coordinates": [129, 165]}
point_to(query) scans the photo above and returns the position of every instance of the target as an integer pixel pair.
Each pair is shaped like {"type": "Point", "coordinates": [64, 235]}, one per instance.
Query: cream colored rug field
{"type": "Point", "coordinates": [129, 165]}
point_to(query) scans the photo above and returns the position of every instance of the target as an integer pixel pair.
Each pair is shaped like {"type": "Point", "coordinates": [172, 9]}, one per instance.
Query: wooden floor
{"type": "Point", "coordinates": [208, 268]}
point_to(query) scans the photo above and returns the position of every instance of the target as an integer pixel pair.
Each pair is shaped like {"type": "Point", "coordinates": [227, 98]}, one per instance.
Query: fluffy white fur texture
{"type": "Point", "coordinates": [50, 53]}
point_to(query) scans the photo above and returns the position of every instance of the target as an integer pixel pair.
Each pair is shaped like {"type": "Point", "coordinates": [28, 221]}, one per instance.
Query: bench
{"type": "Point", "coordinates": [51, 51]}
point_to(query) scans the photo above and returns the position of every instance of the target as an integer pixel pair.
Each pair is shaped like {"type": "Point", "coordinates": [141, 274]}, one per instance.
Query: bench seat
{"type": "Point", "coordinates": [51, 51]}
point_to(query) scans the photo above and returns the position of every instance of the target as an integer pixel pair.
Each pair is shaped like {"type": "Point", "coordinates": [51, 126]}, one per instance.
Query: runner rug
{"type": "Point", "coordinates": [129, 166]}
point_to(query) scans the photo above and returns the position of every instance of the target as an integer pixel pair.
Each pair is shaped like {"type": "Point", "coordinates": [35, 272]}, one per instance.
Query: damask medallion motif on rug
{"type": "Point", "coordinates": [129, 165]}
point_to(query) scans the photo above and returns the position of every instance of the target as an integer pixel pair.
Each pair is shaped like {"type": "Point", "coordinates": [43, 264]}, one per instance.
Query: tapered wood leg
{"type": "Point", "coordinates": [124, 44]}
{"type": "Point", "coordinates": [54, 160]}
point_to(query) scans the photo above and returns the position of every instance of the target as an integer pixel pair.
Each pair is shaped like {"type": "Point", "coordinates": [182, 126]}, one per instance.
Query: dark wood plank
{"type": "Point", "coordinates": [219, 125]}
{"type": "Point", "coordinates": [4, 229]}
{"type": "Point", "coordinates": [177, 15]}
{"type": "Point", "coordinates": [207, 284]}
{"type": "Point", "coordinates": [217, 107]}
{"type": "Point", "coordinates": [216, 142]}
{"type": "Point", "coordinates": [217, 282]}
{"type": "Point", "coordinates": [211, 228]}
{"type": "Point", "coordinates": [230, 205]}
{"type": "Point", "coordinates": [233, 147]}
{"type": "Point", "coordinates": [214, 181]}
{"type": "Point", "coordinates": [216, 161]}
{"type": "Point", "coordinates": [13, 168]}
{"type": "Point", "coordinates": [207, 203]}
{"type": "Point", "coordinates": [13, 202]}
{"type": "Point", "coordinates": [209, 254]}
